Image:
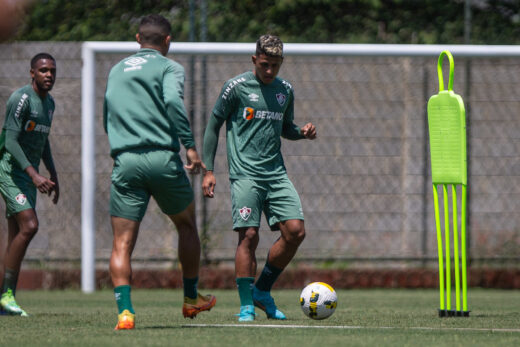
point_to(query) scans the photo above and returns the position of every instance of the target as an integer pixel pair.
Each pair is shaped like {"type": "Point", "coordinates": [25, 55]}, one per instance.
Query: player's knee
{"type": "Point", "coordinates": [29, 228]}
{"type": "Point", "coordinates": [248, 237]}
{"type": "Point", "coordinates": [294, 232]}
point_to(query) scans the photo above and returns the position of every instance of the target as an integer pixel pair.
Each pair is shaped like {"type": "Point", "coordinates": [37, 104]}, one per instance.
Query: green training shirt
{"type": "Point", "coordinates": [31, 116]}
{"type": "Point", "coordinates": [256, 115]}
{"type": "Point", "coordinates": [144, 104]}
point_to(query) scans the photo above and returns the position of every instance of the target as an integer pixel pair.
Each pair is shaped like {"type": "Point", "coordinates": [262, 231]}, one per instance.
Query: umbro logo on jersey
{"type": "Point", "coordinates": [253, 97]}
{"type": "Point", "coordinates": [245, 212]}
{"type": "Point", "coordinates": [134, 63]}
{"type": "Point", "coordinates": [281, 98]}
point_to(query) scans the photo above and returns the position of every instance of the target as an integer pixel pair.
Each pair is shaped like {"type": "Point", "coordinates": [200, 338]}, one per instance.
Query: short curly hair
{"type": "Point", "coordinates": [269, 45]}
{"type": "Point", "coordinates": [153, 29]}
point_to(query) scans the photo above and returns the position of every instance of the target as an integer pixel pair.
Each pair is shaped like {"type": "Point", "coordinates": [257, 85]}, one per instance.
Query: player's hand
{"type": "Point", "coordinates": [56, 190]}
{"type": "Point", "coordinates": [309, 131]}
{"type": "Point", "coordinates": [43, 184]}
{"type": "Point", "coordinates": [194, 163]}
{"type": "Point", "coordinates": [208, 184]}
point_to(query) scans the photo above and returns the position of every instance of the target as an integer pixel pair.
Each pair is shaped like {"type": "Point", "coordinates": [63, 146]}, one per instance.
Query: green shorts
{"type": "Point", "coordinates": [17, 189]}
{"type": "Point", "coordinates": [141, 173]}
{"type": "Point", "coordinates": [278, 200]}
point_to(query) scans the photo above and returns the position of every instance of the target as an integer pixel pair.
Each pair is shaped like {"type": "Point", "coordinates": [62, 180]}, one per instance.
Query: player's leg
{"type": "Point", "coordinates": [128, 203]}
{"type": "Point", "coordinates": [21, 229]}
{"type": "Point", "coordinates": [22, 223]}
{"type": "Point", "coordinates": [283, 212]}
{"type": "Point", "coordinates": [125, 235]}
{"type": "Point", "coordinates": [172, 190]}
{"type": "Point", "coordinates": [245, 270]}
{"type": "Point", "coordinates": [189, 257]}
{"type": "Point", "coordinates": [247, 197]}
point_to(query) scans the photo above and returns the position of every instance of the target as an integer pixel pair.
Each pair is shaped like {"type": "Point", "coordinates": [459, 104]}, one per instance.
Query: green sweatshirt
{"type": "Point", "coordinates": [144, 104]}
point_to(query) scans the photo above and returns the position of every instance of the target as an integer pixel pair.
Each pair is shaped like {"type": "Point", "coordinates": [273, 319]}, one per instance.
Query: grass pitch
{"type": "Point", "coordinates": [363, 318]}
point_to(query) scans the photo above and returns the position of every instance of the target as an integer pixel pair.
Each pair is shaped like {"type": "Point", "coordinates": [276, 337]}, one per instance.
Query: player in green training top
{"type": "Point", "coordinates": [144, 117]}
{"type": "Point", "coordinates": [23, 143]}
{"type": "Point", "coordinates": [258, 108]}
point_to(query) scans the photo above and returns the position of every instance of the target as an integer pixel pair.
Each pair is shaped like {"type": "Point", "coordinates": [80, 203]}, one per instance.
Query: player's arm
{"type": "Point", "coordinates": [12, 145]}
{"type": "Point", "coordinates": [209, 150]}
{"type": "Point", "coordinates": [290, 130]}
{"type": "Point", "coordinates": [49, 165]}
{"type": "Point", "coordinates": [175, 108]}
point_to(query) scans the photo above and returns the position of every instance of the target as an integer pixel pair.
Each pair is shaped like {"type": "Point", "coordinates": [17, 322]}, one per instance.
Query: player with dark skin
{"type": "Point", "coordinates": [145, 93]}
{"type": "Point", "coordinates": [23, 225]}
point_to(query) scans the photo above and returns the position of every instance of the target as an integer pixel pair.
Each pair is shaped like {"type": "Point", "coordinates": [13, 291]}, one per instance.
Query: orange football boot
{"type": "Point", "coordinates": [192, 307]}
{"type": "Point", "coordinates": [125, 321]}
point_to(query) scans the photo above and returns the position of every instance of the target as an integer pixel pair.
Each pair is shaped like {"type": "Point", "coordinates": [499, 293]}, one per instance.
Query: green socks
{"type": "Point", "coordinates": [245, 290]}
{"type": "Point", "coordinates": [10, 281]}
{"type": "Point", "coordinates": [190, 287]}
{"type": "Point", "coordinates": [122, 294]}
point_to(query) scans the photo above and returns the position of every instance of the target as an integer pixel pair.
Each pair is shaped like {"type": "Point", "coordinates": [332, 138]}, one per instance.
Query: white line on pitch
{"type": "Point", "coordinates": [351, 327]}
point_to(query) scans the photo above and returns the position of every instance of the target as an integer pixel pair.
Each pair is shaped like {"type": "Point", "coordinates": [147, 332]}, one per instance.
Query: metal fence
{"type": "Point", "coordinates": [365, 182]}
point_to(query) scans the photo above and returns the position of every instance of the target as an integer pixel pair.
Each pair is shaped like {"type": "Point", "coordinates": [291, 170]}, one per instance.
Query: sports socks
{"type": "Point", "coordinates": [267, 278]}
{"type": "Point", "coordinates": [122, 294]}
{"type": "Point", "coordinates": [190, 287]}
{"type": "Point", "coordinates": [10, 280]}
{"type": "Point", "coordinates": [245, 290]}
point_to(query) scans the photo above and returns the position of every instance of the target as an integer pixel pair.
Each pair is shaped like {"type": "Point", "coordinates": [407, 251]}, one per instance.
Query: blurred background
{"type": "Point", "coordinates": [365, 183]}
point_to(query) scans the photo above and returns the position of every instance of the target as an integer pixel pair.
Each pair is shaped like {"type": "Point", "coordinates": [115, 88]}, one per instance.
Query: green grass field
{"type": "Point", "coordinates": [363, 318]}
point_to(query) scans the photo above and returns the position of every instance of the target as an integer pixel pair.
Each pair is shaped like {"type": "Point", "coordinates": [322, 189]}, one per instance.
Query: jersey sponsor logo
{"type": "Point", "coordinates": [253, 97]}
{"type": "Point", "coordinates": [249, 113]}
{"type": "Point", "coordinates": [245, 212]}
{"type": "Point", "coordinates": [232, 85]}
{"type": "Point", "coordinates": [33, 126]}
{"type": "Point", "coordinates": [269, 115]}
{"type": "Point", "coordinates": [280, 97]}
{"type": "Point", "coordinates": [20, 105]}
{"type": "Point", "coordinates": [21, 199]}
{"type": "Point", "coordinates": [134, 63]}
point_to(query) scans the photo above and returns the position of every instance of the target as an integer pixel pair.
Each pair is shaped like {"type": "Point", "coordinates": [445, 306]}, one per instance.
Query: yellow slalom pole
{"type": "Point", "coordinates": [439, 248]}
{"type": "Point", "coordinates": [447, 245]}
{"type": "Point", "coordinates": [463, 251]}
{"type": "Point", "coordinates": [456, 246]}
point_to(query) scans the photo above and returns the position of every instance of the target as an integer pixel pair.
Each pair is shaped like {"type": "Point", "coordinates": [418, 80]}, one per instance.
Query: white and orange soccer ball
{"type": "Point", "coordinates": [318, 300]}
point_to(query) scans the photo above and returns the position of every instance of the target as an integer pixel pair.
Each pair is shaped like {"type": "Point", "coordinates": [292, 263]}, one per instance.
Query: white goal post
{"type": "Point", "coordinates": [88, 102]}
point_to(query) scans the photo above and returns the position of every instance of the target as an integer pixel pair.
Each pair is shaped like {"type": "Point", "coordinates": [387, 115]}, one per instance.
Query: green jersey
{"type": "Point", "coordinates": [29, 114]}
{"type": "Point", "coordinates": [144, 104]}
{"type": "Point", "coordinates": [256, 115]}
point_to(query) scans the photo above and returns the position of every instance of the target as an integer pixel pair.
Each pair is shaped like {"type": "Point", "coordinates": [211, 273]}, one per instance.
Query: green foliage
{"type": "Point", "coordinates": [327, 21]}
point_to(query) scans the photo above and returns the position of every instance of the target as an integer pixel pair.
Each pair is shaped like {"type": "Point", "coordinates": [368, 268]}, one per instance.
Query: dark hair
{"type": "Point", "coordinates": [39, 56]}
{"type": "Point", "coordinates": [269, 45]}
{"type": "Point", "coordinates": [153, 29]}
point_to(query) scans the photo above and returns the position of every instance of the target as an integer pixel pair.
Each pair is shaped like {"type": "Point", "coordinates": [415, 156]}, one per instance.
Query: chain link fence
{"type": "Point", "coordinates": [365, 182]}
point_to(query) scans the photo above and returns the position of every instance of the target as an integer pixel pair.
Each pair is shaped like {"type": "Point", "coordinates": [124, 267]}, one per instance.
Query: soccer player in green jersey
{"type": "Point", "coordinates": [144, 117]}
{"type": "Point", "coordinates": [258, 109]}
{"type": "Point", "coordinates": [23, 143]}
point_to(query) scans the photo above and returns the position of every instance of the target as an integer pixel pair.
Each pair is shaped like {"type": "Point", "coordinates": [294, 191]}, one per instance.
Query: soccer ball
{"type": "Point", "coordinates": [318, 300]}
